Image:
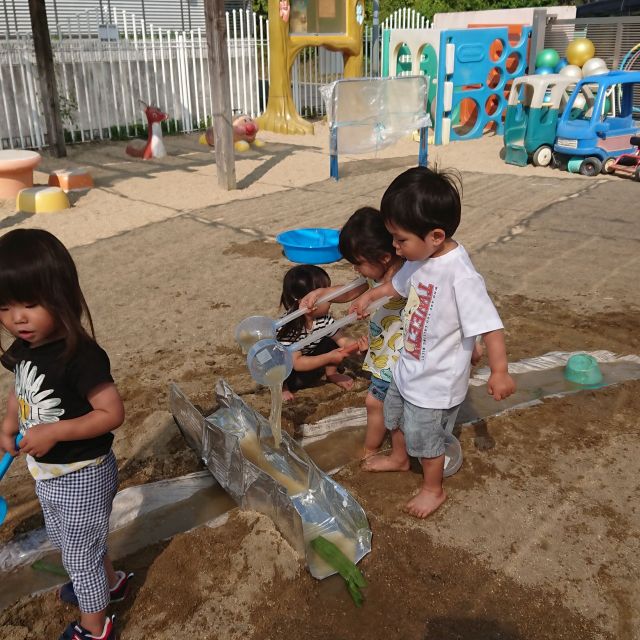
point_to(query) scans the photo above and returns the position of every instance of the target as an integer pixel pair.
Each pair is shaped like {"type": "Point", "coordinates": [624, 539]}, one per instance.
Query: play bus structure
{"type": "Point", "coordinates": [535, 103]}
{"type": "Point", "coordinates": [598, 122]}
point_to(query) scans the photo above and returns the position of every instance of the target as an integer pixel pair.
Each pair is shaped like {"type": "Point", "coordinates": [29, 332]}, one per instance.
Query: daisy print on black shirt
{"type": "Point", "coordinates": [34, 405]}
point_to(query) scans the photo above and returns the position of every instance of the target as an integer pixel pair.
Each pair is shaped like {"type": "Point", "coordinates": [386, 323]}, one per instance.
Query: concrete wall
{"type": "Point", "coordinates": [460, 20]}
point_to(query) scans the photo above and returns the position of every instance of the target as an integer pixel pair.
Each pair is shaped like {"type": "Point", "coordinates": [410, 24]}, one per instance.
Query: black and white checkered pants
{"type": "Point", "coordinates": [76, 511]}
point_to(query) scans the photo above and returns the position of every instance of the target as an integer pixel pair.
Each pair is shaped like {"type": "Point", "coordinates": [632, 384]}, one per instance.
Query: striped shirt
{"type": "Point", "coordinates": [318, 323]}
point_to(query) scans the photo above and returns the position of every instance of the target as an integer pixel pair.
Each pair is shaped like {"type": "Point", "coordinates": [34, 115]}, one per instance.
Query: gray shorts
{"type": "Point", "coordinates": [424, 429]}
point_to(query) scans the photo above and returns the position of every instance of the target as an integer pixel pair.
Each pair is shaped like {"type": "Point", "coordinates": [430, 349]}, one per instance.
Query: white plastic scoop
{"type": "Point", "coordinates": [270, 362]}
{"type": "Point", "coordinates": [255, 328]}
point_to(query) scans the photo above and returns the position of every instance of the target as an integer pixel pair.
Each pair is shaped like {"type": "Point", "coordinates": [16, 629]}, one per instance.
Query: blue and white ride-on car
{"type": "Point", "coordinates": [598, 122]}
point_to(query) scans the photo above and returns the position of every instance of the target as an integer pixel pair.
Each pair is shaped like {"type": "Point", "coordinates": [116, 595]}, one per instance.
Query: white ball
{"type": "Point", "coordinates": [594, 67]}
{"type": "Point", "coordinates": [580, 102]}
{"type": "Point", "coordinates": [571, 71]}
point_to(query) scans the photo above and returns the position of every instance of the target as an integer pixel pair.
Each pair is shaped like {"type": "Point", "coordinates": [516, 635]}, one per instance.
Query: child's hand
{"type": "Point", "coordinates": [38, 440]}
{"type": "Point", "coordinates": [363, 343]}
{"type": "Point", "coordinates": [311, 299]}
{"type": "Point", "coordinates": [338, 355]}
{"type": "Point", "coordinates": [360, 305]}
{"type": "Point", "coordinates": [500, 385]}
{"type": "Point", "coordinates": [350, 347]}
{"type": "Point", "coordinates": [8, 444]}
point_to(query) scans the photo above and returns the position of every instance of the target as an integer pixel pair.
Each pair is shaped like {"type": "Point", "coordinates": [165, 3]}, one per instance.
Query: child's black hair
{"type": "Point", "coordinates": [421, 200]}
{"type": "Point", "coordinates": [36, 268]}
{"type": "Point", "coordinates": [364, 237]}
{"type": "Point", "coordinates": [297, 282]}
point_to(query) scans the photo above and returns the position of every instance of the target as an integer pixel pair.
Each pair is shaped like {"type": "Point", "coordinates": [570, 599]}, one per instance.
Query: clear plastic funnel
{"type": "Point", "coordinates": [256, 328]}
{"type": "Point", "coordinates": [253, 329]}
{"type": "Point", "coordinates": [270, 361]}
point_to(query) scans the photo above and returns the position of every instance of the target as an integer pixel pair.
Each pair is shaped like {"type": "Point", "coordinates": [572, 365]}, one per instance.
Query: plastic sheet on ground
{"type": "Point", "coordinates": [129, 504]}
{"type": "Point", "coordinates": [536, 378]}
{"type": "Point", "coordinates": [368, 114]}
{"type": "Point", "coordinates": [304, 502]}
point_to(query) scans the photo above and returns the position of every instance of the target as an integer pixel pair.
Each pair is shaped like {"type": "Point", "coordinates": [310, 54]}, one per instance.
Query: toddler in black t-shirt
{"type": "Point", "coordinates": [64, 406]}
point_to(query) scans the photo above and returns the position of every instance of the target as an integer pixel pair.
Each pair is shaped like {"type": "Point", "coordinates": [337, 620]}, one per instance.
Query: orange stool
{"type": "Point", "coordinates": [16, 171]}
{"type": "Point", "coordinates": [77, 179]}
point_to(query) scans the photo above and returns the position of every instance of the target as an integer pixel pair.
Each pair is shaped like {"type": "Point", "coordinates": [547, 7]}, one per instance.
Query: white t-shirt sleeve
{"type": "Point", "coordinates": [476, 311]}
{"type": "Point", "coordinates": [401, 281]}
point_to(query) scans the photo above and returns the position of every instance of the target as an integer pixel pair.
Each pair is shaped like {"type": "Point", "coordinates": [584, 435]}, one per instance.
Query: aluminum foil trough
{"type": "Point", "coordinates": [303, 501]}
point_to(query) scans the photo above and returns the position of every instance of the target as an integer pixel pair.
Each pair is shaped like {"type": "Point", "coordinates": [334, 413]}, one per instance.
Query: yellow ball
{"type": "Point", "coordinates": [579, 51]}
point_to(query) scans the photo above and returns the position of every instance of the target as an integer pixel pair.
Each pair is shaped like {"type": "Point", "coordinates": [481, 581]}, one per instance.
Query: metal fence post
{"type": "Point", "coordinates": [538, 29]}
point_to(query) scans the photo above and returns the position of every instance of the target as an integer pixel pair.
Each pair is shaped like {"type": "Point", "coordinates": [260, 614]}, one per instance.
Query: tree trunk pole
{"type": "Point", "coordinates": [47, 77]}
{"type": "Point", "coordinates": [220, 92]}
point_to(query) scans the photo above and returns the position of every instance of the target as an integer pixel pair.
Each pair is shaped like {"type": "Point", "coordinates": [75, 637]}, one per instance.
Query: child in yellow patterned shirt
{"type": "Point", "coordinates": [368, 246]}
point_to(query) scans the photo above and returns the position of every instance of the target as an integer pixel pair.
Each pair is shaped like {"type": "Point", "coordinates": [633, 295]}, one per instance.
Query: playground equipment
{"type": "Point", "coordinates": [245, 129]}
{"type": "Point", "coordinates": [16, 171]}
{"type": "Point", "coordinates": [589, 139]}
{"type": "Point", "coordinates": [534, 105]}
{"type": "Point", "coordinates": [473, 69]}
{"type": "Point", "coordinates": [470, 71]}
{"type": "Point", "coordinates": [42, 200]}
{"type": "Point", "coordinates": [154, 148]}
{"type": "Point", "coordinates": [5, 463]}
{"type": "Point", "coordinates": [629, 163]}
{"type": "Point", "coordinates": [413, 52]}
{"type": "Point", "coordinates": [368, 114]}
{"type": "Point", "coordinates": [333, 24]}
{"type": "Point", "coordinates": [283, 483]}
{"type": "Point", "coordinates": [77, 179]}
{"type": "Point", "coordinates": [255, 328]}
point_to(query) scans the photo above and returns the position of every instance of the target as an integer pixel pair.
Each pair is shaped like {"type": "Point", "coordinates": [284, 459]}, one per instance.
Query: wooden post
{"type": "Point", "coordinates": [220, 93]}
{"type": "Point", "coordinates": [47, 77]}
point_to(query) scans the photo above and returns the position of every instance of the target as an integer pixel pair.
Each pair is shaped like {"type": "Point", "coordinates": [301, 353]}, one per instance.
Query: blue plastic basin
{"type": "Point", "coordinates": [310, 246]}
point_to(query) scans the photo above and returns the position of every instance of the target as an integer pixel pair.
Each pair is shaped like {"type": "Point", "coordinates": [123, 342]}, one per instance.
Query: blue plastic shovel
{"type": "Point", "coordinates": [5, 463]}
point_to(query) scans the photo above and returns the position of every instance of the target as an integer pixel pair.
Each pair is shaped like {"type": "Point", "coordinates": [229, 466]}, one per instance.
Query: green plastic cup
{"type": "Point", "coordinates": [583, 369]}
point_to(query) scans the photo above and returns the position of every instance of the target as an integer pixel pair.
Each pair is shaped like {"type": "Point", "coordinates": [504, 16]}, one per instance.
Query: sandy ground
{"type": "Point", "coordinates": [539, 537]}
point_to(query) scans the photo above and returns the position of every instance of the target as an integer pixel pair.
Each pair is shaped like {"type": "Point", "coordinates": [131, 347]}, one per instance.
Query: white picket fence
{"type": "Point", "coordinates": [104, 70]}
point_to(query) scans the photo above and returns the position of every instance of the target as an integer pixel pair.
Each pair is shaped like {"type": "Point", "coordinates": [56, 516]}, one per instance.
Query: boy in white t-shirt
{"type": "Point", "coordinates": [447, 307]}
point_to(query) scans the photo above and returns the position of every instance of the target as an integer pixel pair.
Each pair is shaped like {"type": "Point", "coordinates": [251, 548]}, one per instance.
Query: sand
{"type": "Point", "coordinates": [539, 536]}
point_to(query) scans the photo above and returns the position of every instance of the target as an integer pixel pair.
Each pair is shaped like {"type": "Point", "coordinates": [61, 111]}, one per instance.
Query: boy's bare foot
{"type": "Point", "coordinates": [366, 454]}
{"type": "Point", "coordinates": [425, 503]}
{"type": "Point", "coordinates": [341, 380]}
{"type": "Point", "coordinates": [287, 396]}
{"type": "Point", "coordinates": [381, 462]}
